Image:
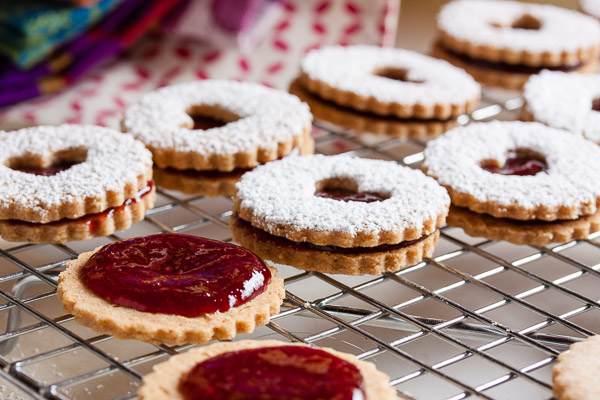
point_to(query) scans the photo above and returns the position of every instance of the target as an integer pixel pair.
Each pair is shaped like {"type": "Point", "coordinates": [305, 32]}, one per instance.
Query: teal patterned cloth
{"type": "Point", "coordinates": [31, 29]}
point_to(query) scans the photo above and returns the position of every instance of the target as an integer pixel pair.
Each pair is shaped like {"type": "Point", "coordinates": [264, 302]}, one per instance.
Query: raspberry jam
{"type": "Point", "coordinates": [348, 195]}
{"type": "Point", "coordinates": [518, 166]}
{"type": "Point", "coordinates": [274, 373]}
{"type": "Point", "coordinates": [48, 171]}
{"type": "Point", "coordinates": [175, 274]}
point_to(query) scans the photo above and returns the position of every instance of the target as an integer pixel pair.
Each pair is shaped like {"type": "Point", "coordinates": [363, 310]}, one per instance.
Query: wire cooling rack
{"type": "Point", "coordinates": [479, 319]}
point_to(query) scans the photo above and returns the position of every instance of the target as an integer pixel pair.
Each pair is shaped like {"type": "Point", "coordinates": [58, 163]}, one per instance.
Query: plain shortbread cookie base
{"type": "Point", "coordinates": [575, 375]}
{"type": "Point", "coordinates": [163, 382]}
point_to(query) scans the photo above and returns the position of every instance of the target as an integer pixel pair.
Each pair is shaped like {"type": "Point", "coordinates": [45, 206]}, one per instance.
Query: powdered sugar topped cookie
{"type": "Point", "coordinates": [518, 33]}
{"type": "Point", "coordinates": [389, 81]}
{"type": "Point", "coordinates": [48, 173]}
{"type": "Point", "coordinates": [339, 214]}
{"type": "Point", "coordinates": [502, 43]}
{"type": "Point", "coordinates": [518, 170]}
{"type": "Point", "coordinates": [283, 194]}
{"type": "Point", "coordinates": [568, 101]}
{"type": "Point", "coordinates": [255, 124]}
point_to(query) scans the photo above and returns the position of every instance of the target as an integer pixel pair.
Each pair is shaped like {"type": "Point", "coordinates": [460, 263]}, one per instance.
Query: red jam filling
{"type": "Point", "coordinates": [274, 373]}
{"type": "Point", "coordinates": [348, 195]}
{"type": "Point", "coordinates": [47, 171]}
{"type": "Point", "coordinates": [596, 105]}
{"type": "Point", "coordinates": [258, 235]}
{"type": "Point", "coordinates": [518, 166]}
{"type": "Point", "coordinates": [175, 274]}
{"type": "Point", "coordinates": [93, 220]}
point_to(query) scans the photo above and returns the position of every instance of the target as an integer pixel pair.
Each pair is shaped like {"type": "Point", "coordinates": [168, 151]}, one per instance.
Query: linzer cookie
{"type": "Point", "coordinates": [568, 101]}
{"type": "Point", "coordinates": [266, 369]}
{"type": "Point", "coordinates": [212, 131]}
{"type": "Point", "coordinates": [502, 43]}
{"type": "Point", "coordinates": [71, 182]}
{"type": "Point", "coordinates": [338, 214]}
{"type": "Point", "coordinates": [389, 82]}
{"type": "Point", "coordinates": [518, 172]}
{"type": "Point", "coordinates": [170, 288]}
{"type": "Point", "coordinates": [575, 375]}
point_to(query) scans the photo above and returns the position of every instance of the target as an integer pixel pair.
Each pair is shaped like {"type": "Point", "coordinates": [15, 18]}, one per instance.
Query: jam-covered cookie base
{"type": "Point", "coordinates": [282, 372]}
{"type": "Point", "coordinates": [175, 274]}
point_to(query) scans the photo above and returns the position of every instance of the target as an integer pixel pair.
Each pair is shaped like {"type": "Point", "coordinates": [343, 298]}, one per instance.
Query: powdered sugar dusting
{"type": "Point", "coordinates": [113, 160]}
{"type": "Point", "coordinates": [268, 116]}
{"type": "Point", "coordinates": [282, 192]}
{"type": "Point", "coordinates": [353, 68]}
{"type": "Point", "coordinates": [565, 101]}
{"type": "Point", "coordinates": [561, 29]}
{"type": "Point", "coordinates": [591, 7]}
{"type": "Point", "coordinates": [571, 177]}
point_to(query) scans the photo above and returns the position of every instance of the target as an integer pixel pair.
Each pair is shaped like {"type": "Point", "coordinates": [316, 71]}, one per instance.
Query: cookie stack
{"type": "Point", "coordinates": [384, 90]}
{"type": "Point", "coordinates": [503, 43]}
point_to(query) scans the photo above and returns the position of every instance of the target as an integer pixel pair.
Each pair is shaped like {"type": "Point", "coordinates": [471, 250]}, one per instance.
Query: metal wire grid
{"type": "Point", "coordinates": [479, 319]}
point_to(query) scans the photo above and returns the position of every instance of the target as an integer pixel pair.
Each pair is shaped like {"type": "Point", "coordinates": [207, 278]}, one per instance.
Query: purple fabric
{"type": "Point", "coordinates": [84, 51]}
{"type": "Point", "coordinates": [102, 43]}
{"type": "Point", "coordinates": [235, 15]}
{"type": "Point", "coordinates": [17, 95]}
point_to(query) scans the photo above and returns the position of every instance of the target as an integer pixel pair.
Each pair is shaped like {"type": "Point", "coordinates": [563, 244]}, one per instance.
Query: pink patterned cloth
{"type": "Point", "coordinates": [164, 60]}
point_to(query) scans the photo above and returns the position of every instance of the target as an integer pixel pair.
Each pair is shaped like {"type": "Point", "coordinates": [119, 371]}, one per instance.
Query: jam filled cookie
{"type": "Point", "coordinates": [521, 171]}
{"type": "Point", "coordinates": [339, 214]}
{"type": "Point", "coordinates": [71, 182]}
{"type": "Point", "coordinates": [502, 43]}
{"type": "Point", "coordinates": [347, 118]}
{"type": "Point", "coordinates": [170, 288]}
{"type": "Point", "coordinates": [212, 131]}
{"type": "Point", "coordinates": [568, 101]}
{"type": "Point", "coordinates": [267, 369]}
{"type": "Point", "coordinates": [575, 375]}
{"type": "Point", "coordinates": [388, 81]}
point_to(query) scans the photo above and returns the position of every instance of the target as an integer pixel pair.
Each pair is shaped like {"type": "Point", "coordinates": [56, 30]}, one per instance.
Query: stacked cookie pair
{"type": "Point", "coordinates": [531, 184]}
{"type": "Point", "coordinates": [204, 135]}
{"type": "Point", "coordinates": [389, 91]}
{"type": "Point", "coordinates": [503, 43]}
